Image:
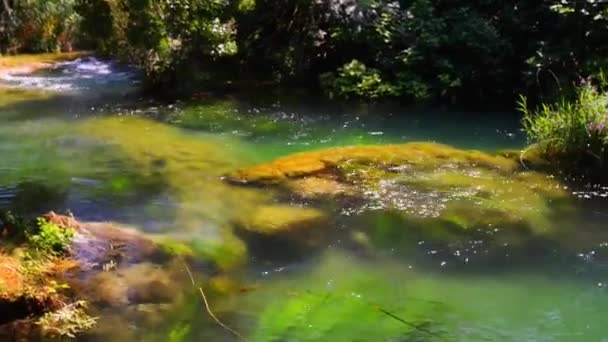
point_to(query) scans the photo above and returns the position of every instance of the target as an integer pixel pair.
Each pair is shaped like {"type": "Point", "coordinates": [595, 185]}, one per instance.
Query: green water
{"type": "Point", "coordinates": [118, 157]}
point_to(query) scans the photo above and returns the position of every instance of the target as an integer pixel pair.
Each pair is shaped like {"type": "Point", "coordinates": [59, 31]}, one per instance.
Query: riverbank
{"type": "Point", "coordinates": [23, 64]}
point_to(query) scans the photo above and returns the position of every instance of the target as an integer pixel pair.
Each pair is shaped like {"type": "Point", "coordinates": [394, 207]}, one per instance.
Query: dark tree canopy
{"type": "Point", "coordinates": [411, 50]}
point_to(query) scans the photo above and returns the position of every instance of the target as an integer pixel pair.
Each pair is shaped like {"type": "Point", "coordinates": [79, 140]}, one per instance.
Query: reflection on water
{"type": "Point", "coordinates": [159, 168]}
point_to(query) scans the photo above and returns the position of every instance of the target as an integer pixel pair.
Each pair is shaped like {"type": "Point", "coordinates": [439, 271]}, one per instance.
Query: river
{"type": "Point", "coordinates": [81, 138]}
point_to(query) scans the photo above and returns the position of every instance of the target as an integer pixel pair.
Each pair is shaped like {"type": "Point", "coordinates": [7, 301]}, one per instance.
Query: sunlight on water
{"type": "Point", "coordinates": [80, 75]}
{"type": "Point", "coordinates": [390, 265]}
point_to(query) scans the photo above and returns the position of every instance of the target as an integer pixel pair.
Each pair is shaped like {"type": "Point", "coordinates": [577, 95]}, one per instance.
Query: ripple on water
{"type": "Point", "coordinates": [82, 74]}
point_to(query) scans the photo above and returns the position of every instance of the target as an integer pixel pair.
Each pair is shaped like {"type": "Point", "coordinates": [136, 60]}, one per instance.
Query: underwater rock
{"type": "Point", "coordinates": [442, 191]}
{"type": "Point", "coordinates": [118, 266]}
{"type": "Point", "coordinates": [97, 244]}
{"type": "Point", "coordinates": [274, 227]}
{"type": "Point", "coordinates": [282, 231]}
{"type": "Point", "coordinates": [315, 187]}
{"type": "Point", "coordinates": [419, 155]}
{"type": "Point", "coordinates": [137, 284]}
{"type": "Point", "coordinates": [276, 219]}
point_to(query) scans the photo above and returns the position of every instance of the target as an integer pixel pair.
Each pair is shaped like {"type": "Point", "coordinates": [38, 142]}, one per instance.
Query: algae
{"type": "Point", "coordinates": [15, 96]}
{"type": "Point", "coordinates": [421, 155]}
{"type": "Point", "coordinates": [436, 191]}
{"type": "Point", "coordinates": [188, 167]}
{"type": "Point", "coordinates": [341, 299]}
{"type": "Point", "coordinates": [273, 219]}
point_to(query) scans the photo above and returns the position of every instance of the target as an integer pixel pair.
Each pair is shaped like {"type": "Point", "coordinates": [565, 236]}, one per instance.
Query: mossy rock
{"type": "Point", "coordinates": [452, 192]}
{"type": "Point", "coordinates": [420, 155]}
{"type": "Point", "coordinates": [277, 219]}
{"type": "Point", "coordinates": [226, 254]}
{"type": "Point", "coordinates": [282, 231]}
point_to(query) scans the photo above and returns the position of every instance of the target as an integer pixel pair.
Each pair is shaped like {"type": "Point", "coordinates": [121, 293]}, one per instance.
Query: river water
{"type": "Point", "coordinates": [81, 138]}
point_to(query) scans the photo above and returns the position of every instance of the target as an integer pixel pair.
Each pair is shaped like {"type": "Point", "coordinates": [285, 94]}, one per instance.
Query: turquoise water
{"type": "Point", "coordinates": [101, 151]}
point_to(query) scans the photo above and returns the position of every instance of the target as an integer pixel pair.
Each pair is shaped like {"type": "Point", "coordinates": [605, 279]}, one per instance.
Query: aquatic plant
{"type": "Point", "coordinates": [341, 299]}
{"type": "Point", "coordinates": [188, 167]}
{"type": "Point", "coordinates": [571, 132]}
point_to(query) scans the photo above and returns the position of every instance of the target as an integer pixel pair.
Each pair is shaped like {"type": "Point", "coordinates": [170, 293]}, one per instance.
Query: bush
{"type": "Point", "coordinates": [50, 239]}
{"type": "Point", "coordinates": [355, 80]}
{"type": "Point", "coordinates": [575, 130]}
{"type": "Point", "coordinates": [40, 26]}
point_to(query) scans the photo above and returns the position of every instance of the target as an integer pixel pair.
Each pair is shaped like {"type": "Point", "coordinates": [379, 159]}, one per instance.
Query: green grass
{"type": "Point", "coordinates": [575, 130]}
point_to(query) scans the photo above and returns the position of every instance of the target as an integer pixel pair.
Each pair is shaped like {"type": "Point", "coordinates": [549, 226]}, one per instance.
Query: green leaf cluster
{"type": "Point", "coordinates": [50, 239]}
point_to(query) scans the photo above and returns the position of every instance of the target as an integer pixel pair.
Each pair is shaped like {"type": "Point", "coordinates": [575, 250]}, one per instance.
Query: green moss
{"type": "Point", "coordinates": [67, 322]}
{"type": "Point", "coordinates": [227, 254]}
{"type": "Point", "coordinates": [494, 199]}
{"type": "Point", "coordinates": [419, 155]}
{"type": "Point", "coordinates": [13, 96]}
{"type": "Point", "coordinates": [187, 166]}
{"type": "Point", "coordinates": [421, 190]}
{"type": "Point", "coordinates": [273, 219]}
{"type": "Point", "coordinates": [226, 117]}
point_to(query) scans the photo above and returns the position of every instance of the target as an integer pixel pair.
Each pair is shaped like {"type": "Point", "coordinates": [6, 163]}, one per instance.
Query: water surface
{"type": "Point", "coordinates": [81, 138]}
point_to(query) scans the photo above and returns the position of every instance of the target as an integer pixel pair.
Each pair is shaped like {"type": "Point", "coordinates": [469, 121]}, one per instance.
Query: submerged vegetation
{"type": "Point", "coordinates": [231, 215]}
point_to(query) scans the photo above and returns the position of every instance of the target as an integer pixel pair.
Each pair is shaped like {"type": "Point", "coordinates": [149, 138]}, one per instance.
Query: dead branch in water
{"type": "Point", "coordinates": [211, 314]}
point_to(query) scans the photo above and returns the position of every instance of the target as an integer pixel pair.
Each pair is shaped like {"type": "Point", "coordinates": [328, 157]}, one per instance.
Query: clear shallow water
{"type": "Point", "coordinates": [112, 156]}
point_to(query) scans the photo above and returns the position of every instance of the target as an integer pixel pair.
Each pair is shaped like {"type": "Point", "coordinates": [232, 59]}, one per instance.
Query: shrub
{"type": "Point", "coordinates": [355, 80]}
{"type": "Point", "coordinates": [39, 26]}
{"type": "Point", "coordinates": [571, 130]}
{"type": "Point", "coordinates": [12, 225]}
{"type": "Point", "coordinates": [50, 239]}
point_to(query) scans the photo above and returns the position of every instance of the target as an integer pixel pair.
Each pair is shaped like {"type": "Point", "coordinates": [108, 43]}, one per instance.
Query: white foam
{"type": "Point", "coordinates": [83, 74]}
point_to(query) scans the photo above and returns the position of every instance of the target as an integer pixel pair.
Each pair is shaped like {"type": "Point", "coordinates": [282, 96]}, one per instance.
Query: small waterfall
{"type": "Point", "coordinates": [88, 74]}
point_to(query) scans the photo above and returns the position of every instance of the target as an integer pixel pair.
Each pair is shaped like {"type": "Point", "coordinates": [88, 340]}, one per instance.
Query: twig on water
{"type": "Point", "coordinates": [417, 327]}
{"type": "Point", "coordinates": [211, 314]}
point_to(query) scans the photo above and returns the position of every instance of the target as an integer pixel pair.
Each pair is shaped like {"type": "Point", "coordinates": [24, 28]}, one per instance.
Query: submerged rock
{"type": "Point", "coordinates": [138, 284]}
{"type": "Point", "coordinates": [420, 155]}
{"type": "Point", "coordinates": [277, 219]}
{"type": "Point", "coordinates": [438, 190]}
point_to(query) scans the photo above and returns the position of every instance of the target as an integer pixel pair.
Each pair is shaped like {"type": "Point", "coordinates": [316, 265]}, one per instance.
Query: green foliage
{"type": "Point", "coordinates": [50, 239]}
{"type": "Point", "coordinates": [14, 225]}
{"type": "Point", "coordinates": [420, 50]}
{"type": "Point", "coordinates": [102, 26]}
{"type": "Point", "coordinates": [178, 333]}
{"type": "Point", "coordinates": [356, 80]}
{"type": "Point", "coordinates": [39, 26]}
{"type": "Point", "coordinates": [572, 128]}
{"type": "Point", "coordinates": [163, 37]}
